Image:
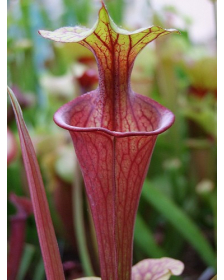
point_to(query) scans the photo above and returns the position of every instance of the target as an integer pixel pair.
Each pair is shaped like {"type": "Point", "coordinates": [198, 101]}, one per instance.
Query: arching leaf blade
{"type": "Point", "coordinates": [46, 234]}
{"type": "Point", "coordinates": [180, 221]}
{"type": "Point", "coordinates": [145, 240]}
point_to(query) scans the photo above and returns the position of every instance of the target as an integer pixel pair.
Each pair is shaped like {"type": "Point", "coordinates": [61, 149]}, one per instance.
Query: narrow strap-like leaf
{"type": "Point", "coordinates": [46, 234]}
{"type": "Point", "coordinates": [180, 221]}
{"type": "Point", "coordinates": [145, 240]}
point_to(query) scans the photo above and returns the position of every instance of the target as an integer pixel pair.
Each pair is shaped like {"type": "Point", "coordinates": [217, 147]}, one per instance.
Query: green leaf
{"type": "Point", "coordinates": [180, 221]}
{"type": "Point", "coordinates": [28, 254]}
{"type": "Point", "coordinates": [39, 273]}
{"type": "Point", "coordinates": [145, 239]}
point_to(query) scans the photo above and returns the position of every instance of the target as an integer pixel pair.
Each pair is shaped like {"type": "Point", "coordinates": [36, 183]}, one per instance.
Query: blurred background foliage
{"type": "Point", "coordinates": [177, 211]}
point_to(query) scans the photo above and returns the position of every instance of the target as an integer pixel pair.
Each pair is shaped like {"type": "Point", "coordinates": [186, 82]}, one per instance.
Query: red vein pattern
{"type": "Point", "coordinates": [114, 131]}
{"type": "Point", "coordinates": [113, 170]}
{"type": "Point", "coordinates": [157, 269]}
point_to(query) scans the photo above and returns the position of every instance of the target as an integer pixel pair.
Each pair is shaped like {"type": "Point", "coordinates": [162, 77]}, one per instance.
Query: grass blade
{"type": "Point", "coordinates": [145, 239]}
{"type": "Point", "coordinates": [28, 254]}
{"type": "Point", "coordinates": [180, 221]}
{"type": "Point", "coordinates": [79, 223]}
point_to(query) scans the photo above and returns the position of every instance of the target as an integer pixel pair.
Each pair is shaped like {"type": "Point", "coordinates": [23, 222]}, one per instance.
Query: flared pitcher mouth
{"type": "Point", "coordinates": [63, 116]}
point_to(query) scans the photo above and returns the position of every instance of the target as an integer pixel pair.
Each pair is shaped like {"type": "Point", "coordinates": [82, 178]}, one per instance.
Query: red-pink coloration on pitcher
{"type": "Point", "coordinates": [11, 147]}
{"type": "Point", "coordinates": [114, 131]}
{"type": "Point", "coordinates": [162, 268]}
{"type": "Point", "coordinates": [17, 233]}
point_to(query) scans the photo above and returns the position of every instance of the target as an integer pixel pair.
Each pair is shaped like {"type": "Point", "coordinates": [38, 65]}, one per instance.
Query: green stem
{"type": "Point", "coordinates": [79, 223]}
{"type": "Point", "coordinates": [212, 201]}
{"type": "Point", "coordinates": [93, 238]}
